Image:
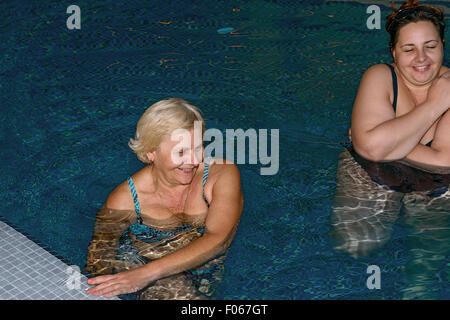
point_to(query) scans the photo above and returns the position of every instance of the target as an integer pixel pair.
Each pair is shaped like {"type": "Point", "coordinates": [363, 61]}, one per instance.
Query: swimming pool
{"type": "Point", "coordinates": [71, 99]}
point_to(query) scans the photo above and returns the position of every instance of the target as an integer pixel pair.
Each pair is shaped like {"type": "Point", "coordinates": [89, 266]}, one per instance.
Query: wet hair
{"type": "Point", "coordinates": [412, 11]}
{"type": "Point", "coordinates": [161, 119]}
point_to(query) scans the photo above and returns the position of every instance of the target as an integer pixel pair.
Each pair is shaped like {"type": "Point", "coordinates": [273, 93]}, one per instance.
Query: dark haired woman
{"type": "Point", "coordinates": [391, 121]}
{"type": "Point", "coordinates": [400, 158]}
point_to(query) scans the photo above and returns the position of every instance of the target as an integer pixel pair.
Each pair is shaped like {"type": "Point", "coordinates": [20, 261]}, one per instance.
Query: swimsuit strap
{"type": "Point", "coordinates": [205, 177]}
{"type": "Point", "coordinates": [135, 198]}
{"type": "Point", "coordinates": [394, 84]}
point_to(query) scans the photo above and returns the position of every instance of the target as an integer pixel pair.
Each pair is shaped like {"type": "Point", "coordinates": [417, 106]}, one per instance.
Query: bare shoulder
{"type": "Point", "coordinates": [376, 73]}
{"type": "Point", "coordinates": [443, 70]}
{"type": "Point", "coordinates": [374, 92]}
{"type": "Point", "coordinates": [225, 188]}
{"type": "Point", "coordinates": [223, 175]}
{"type": "Point", "coordinates": [120, 198]}
{"type": "Point", "coordinates": [223, 167]}
{"type": "Point", "coordinates": [376, 83]}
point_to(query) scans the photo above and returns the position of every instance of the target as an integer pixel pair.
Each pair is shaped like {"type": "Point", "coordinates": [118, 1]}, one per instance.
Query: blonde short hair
{"type": "Point", "coordinates": [160, 119]}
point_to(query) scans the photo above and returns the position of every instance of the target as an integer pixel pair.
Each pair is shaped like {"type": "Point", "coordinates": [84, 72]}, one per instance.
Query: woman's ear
{"type": "Point", "coordinates": [150, 156]}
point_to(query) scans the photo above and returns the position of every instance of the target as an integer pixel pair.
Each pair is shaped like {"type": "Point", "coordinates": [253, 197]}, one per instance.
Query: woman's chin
{"type": "Point", "coordinates": [423, 76]}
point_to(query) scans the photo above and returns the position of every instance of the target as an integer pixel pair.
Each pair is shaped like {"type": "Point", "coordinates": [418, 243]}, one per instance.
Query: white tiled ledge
{"type": "Point", "coordinates": [29, 272]}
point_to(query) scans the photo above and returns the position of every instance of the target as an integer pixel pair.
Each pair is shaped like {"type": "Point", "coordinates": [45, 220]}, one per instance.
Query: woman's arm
{"type": "Point", "coordinates": [220, 226]}
{"type": "Point", "coordinates": [439, 152]}
{"type": "Point", "coordinates": [376, 133]}
{"type": "Point", "coordinates": [109, 226]}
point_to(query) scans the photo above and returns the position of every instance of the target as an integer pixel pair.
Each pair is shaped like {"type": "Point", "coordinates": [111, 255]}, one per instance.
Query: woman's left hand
{"type": "Point", "coordinates": [120, 283]}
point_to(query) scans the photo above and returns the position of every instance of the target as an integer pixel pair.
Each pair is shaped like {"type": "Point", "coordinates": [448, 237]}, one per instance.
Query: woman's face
{"type": "Point", "coordinates": [418, 52]}
{"type": "Point", "coordinates": [178, 156]}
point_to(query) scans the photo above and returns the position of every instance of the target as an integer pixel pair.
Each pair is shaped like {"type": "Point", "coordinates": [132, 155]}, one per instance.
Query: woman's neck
{"type": "Point", "coordinates": [418, 92]}
{"type": "Point", "coordinates": [162, 185]}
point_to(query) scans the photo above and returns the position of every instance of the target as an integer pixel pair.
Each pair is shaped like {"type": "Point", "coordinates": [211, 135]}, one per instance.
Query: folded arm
{"type": "Point", "coordinates": [377, 133]}
{"type": "Point", "coordinates": [439, 152]}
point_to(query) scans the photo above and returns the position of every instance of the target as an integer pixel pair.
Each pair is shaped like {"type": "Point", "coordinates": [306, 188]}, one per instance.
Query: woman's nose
{"type": "Point", "coordinates": [421, 55]}
{"type": "Point", "coordinates": [194, 158]}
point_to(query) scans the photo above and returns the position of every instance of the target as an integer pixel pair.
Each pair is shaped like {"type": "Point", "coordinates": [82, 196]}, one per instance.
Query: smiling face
{"type": "Point", "coordinates": [418, 53]}
{"type": "Point", "coordinates": [178, 156]}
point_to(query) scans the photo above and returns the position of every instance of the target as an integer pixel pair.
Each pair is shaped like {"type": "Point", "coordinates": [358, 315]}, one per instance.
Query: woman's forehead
{"type": "Point", "coordinates": [418, 31]}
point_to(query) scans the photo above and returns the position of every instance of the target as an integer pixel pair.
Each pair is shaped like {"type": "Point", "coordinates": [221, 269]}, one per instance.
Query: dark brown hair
{"type": "Point", "coordinates": [412, 11]}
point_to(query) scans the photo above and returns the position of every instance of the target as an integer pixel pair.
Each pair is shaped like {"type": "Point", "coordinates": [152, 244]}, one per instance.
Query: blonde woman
{"type": "Point", "coordinates": [179, 213]}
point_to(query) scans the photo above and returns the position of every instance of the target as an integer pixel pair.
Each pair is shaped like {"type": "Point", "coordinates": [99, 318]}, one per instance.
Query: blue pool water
{"type": "Point", "coordinates": [70, 101]}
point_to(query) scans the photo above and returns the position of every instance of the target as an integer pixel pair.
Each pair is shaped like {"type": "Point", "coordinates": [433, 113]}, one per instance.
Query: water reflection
{"type": "Point", "coordinates": [364, 213]}
{"type": "Point", "coordinates": [114, 248]}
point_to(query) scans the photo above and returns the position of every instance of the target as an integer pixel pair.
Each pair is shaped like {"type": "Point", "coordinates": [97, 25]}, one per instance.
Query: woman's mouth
{"type": "Point", "coordinates": [421, 68]}
{"type": "Point", "coordinates": [186, 170]}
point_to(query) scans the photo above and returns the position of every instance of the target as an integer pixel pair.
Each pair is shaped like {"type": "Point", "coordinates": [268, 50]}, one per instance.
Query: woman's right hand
{"type": "Point", "coordinates": [439, 92]}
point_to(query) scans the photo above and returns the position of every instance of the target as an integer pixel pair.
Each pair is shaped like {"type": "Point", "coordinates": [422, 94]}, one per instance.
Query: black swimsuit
{"type": "Point", "coordinates": [397, 176]}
